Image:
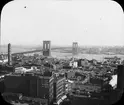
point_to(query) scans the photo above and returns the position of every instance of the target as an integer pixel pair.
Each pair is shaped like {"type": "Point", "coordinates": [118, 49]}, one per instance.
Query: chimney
{"type": "Point", "coordinates": [9, 55]}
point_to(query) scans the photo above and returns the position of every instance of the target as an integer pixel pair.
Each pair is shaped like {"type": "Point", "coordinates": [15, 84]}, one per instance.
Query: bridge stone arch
{"type": "Point", "coordinates": [47, 48]}
{"type": "Point", "coordinates": [75, 48]}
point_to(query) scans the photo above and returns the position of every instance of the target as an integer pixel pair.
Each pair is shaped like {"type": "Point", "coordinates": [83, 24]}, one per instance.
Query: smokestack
{"type": "Point", "coordinates": [9, 55]}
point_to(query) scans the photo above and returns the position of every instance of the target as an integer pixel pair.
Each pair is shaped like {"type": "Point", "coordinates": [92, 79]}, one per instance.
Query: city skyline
{"type": "Point", "coordinates": [96, 23]}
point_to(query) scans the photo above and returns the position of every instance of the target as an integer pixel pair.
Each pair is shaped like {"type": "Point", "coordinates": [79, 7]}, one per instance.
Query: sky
{"type": "Point", "coordinates": [29, 22]}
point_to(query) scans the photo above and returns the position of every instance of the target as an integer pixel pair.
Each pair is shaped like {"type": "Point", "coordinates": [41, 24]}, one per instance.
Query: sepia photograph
{"type": "Point", "coordinates": [62, 52]}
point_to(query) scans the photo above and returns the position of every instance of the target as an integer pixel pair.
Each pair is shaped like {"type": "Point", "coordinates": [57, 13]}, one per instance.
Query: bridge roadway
{"type": "Point", "coordinates": [33, 51]}
{"type": "Point", "coordinates": [28, 52]}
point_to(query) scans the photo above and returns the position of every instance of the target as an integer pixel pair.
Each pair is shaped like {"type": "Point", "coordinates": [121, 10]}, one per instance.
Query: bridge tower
{"type": "Point", "coordinates": [75, 48]}
{"type": "Point", "coordinates": [9, 55]}
{"type": "Point", "coordinates": [47, 48]}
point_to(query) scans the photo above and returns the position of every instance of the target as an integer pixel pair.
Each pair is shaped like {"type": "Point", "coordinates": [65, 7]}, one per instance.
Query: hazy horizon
{"type": "Point", "coordinates": [64, 45]}
{"type": "Point", "coordinates": [56, 46]}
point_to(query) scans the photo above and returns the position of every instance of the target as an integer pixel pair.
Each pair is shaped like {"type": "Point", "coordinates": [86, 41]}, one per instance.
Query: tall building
{"type": "Point", "coordinates": [9, 54]}
{"type": "Point", "coordinates": [120, 77]}
{"type": "Point", "coordinates": [59, 87]}
{"type": "Point", "coordinates": [75, 48]}
{"type": "Point", "coordinates": [46, 48]}
{"type": "Point", "coordinates": [33, 86]}
{"type": "Point", "coordinates": [46, 89]}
